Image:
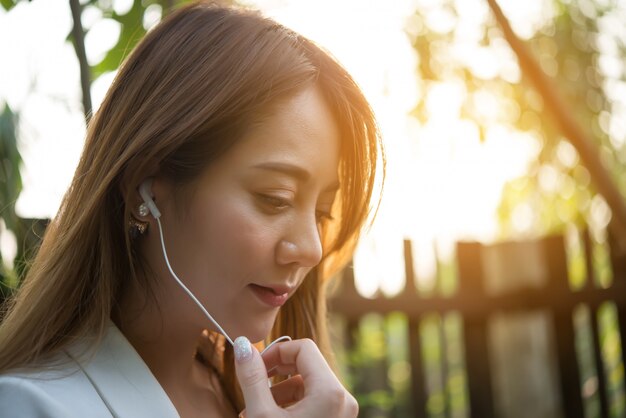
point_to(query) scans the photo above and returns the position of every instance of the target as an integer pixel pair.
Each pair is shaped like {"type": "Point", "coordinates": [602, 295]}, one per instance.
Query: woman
{"type": "Point", "coordinates": [260, 152]}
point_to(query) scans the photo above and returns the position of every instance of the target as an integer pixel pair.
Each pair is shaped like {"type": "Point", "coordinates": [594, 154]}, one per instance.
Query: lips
{"type": "Point", "coordinates": [273, 296]}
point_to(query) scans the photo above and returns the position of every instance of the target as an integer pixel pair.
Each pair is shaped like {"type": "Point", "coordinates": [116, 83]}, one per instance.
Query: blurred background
{"type": "Point", "coordinates": [493, 282]}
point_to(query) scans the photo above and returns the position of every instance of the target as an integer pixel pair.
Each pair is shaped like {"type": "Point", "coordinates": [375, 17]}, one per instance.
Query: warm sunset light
{"type": "Point", "coordinates": [504, 127]}
{"type": "Point", "coordinates": [443, 182]}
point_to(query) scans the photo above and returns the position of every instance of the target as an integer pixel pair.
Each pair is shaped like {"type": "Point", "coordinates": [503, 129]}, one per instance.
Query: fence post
{"type": "Point", "coordinates": [418, 385]}
{"type": "Point", "coordinates": [618, 265]}
{"type": "Point", "coordinates": [569, 375]}
{"type": "Point", "coordinates": [590, 284]}
{"type": "Point", "coordinates": [475, 331]}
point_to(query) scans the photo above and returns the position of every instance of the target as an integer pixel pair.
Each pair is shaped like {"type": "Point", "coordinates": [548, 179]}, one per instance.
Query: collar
{"type": "Point", "coordinates": [122, 379]}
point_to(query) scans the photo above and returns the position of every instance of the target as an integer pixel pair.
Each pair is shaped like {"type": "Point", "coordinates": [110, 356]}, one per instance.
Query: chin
{"type": "Point", "coordinates": [259, 334]}
{"type": "Point", "coordinates": [256, 330]}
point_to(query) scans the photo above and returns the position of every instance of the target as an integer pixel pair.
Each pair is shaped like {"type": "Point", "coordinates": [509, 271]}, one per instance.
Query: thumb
{"type": "Point", "coordinates": [252, 376]}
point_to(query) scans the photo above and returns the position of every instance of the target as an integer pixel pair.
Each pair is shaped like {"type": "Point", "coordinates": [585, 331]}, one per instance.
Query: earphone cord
{"type": "Point", "coordinates": [191, 295]}
{"type": "Point", "coordinates": [197, 302]}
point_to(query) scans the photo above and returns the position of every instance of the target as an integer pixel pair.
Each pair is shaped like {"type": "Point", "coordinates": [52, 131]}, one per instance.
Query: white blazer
{"type": "Point", "coordinates": [114, 382]}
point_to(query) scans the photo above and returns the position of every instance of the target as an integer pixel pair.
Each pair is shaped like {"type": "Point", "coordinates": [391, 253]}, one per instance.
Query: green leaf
{"type": "Point", "coordinates": [8, 4]}
{"type": "Point", "coordinates": [131, 33]}
{"type": "Point", "coordinates": [10, 162]}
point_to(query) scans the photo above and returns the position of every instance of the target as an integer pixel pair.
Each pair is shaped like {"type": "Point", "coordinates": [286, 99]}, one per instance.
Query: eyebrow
{"type": "Point", "coordinates": [294, 171]}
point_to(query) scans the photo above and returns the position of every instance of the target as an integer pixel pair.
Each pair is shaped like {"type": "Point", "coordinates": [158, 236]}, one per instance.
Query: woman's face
{"type": "Point", "coordinates": [251, 231]}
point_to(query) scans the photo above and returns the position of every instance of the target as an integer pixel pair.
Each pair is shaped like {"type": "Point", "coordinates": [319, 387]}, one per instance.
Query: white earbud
{"type": "Point", "coordinates": [145, 191]}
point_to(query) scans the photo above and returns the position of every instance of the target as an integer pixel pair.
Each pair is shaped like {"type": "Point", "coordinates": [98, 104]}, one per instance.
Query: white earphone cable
{"type": "Point", "coordinates": [191, 295]}
{"type": "Point", "coordinates": [197, 302]}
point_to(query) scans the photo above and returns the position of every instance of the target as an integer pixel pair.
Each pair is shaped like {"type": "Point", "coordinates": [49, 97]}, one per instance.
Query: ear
{"type": "Point", "coordinates": [130, 196]}
{"type": "Point", "coordinates": [155, 188]}
{"type": "Point", "coordinates": [152, 190]}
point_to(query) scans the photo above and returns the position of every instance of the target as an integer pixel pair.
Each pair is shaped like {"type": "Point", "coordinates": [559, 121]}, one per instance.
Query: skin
{"type": "Point", "coordinates": [243, 225]}
{"type": "Point", "coordinates": [311, 391]}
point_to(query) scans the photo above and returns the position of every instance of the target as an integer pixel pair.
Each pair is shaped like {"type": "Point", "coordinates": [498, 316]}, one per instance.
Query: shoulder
{"type": "Point", "coordinates": [52, 391]}
{"type": "Point", "coordinates": [22, 397]}
{"type": "Point", "coordinates": [110, 379]}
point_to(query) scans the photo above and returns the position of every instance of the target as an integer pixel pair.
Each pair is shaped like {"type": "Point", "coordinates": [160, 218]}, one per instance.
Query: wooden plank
{"type": "Point", "coordinates": [445, 370]}
{"type": "Point", "coordinates": [558, 285]}
{"type": "Point", "coordinates": [478, 368]}
{"type": "Point", "coordinates": [418, 382]}
{"type": "Point", "coordinates": [595, 332]}
{"type": "Point", "coordinates": [600, 372]}
{"type": "Point", "coordinates": [569, 375]}
{"type": "Point", "coordinates": [480, 305]}
{"type": "Point", "coordinates": [410, 288]}
{"type": "Point", "coordinates": [475, 336]}
{"type": "Point", "coordinates": [618, 264]}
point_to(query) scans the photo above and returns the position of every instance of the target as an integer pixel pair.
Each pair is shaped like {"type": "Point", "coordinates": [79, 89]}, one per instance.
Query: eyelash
{"type": "Point", "coordinates": [278, 203]}
{"type": "Point", "coordinates": [323, 216]}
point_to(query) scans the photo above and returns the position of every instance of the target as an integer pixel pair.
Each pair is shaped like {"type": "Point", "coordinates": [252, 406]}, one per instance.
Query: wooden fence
{"type": "Point", "coordinates": [476, 301]}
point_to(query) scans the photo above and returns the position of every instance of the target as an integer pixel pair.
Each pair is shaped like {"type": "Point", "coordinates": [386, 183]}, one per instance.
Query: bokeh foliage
{"type": "Point", "coordinates": [132, 28]}
{"type": "Point", "coordinates": [578, 47]}
{"type": "Point", "coordinates": [10, 186]}
{"type": "Point", "coordinates": [28, 232]}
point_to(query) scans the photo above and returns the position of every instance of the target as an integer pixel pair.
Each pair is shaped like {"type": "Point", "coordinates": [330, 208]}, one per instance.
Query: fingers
{"type": "Point", "coordinates": [324, 394]}
{"type": "Point", "coordinates": [299, 357]}
{"type": "Point", "coordinates": [314, 391]}
{"type": "Point", "coordinates": [288, 391]}
{"type": "Point", "coordinates": [252, 376]}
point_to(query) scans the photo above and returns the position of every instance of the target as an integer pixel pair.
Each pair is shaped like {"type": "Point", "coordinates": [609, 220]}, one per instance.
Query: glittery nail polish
{"type": "Point", "coordinates": [242, 349]}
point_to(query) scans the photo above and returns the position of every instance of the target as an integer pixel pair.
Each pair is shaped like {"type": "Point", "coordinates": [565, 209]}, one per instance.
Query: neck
{"type": "Point", "coordinates": [166, 345]}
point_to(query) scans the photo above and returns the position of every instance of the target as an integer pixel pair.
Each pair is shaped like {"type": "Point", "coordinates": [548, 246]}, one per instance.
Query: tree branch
{"type": "Point", "coordinates": [79, 46]}
{"type": "Point", "coordinates": [568, 126]}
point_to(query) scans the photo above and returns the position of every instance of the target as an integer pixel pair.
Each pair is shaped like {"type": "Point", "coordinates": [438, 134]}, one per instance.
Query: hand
{"type": "Point", "coordinates": [312, 391]}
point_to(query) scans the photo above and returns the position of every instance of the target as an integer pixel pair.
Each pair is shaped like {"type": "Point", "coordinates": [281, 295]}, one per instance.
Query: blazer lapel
{"type": "Point", "coordinates": [124, 381]}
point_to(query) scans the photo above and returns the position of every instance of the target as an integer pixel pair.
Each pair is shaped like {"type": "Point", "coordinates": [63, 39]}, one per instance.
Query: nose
{"type": "Point", "coordinates": [302, 245]}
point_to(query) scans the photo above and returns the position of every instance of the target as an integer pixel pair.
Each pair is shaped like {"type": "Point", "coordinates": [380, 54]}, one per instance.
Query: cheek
{"type": "Point", "coordinates": [237, 240]}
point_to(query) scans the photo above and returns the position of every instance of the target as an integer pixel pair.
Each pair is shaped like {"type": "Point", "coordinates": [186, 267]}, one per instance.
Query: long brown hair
{"type": "Point", "coordinates": [186, 93]}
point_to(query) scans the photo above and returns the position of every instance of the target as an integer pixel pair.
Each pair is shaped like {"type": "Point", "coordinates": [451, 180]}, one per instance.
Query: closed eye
{"type": "Point", "coordinates": [275, 202]}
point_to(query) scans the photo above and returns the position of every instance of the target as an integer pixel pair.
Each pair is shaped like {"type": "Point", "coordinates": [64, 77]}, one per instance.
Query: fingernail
{"type": "Point", "coordinates": [243, 349]}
